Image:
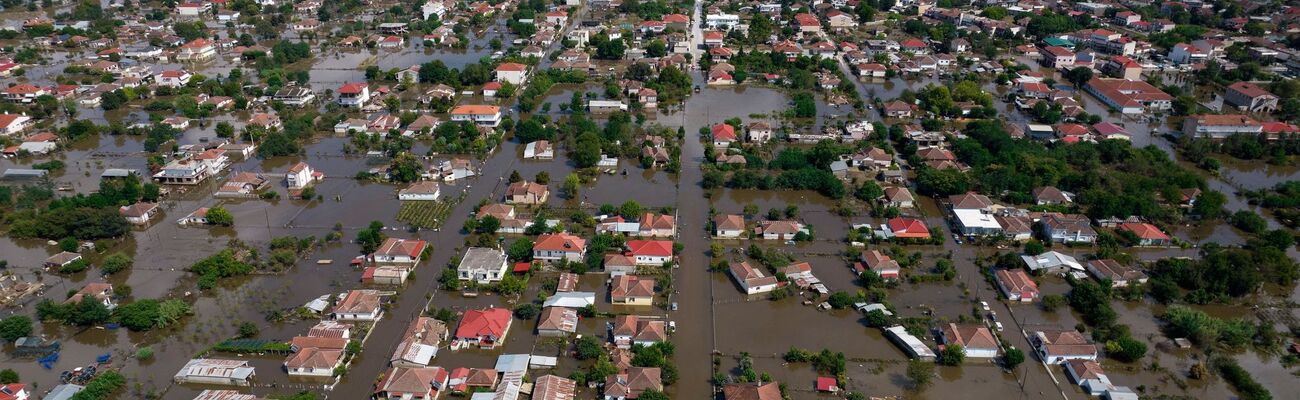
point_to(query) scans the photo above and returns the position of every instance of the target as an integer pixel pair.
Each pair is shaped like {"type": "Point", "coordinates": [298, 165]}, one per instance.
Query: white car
{"type": "Point", "coordinates": [984, 305]}
{"type": "Point", "coordinates": [998, 325]}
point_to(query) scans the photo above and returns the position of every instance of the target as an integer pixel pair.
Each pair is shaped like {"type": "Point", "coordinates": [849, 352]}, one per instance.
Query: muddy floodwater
{"type": "Point", "coordinates": [715, 321]}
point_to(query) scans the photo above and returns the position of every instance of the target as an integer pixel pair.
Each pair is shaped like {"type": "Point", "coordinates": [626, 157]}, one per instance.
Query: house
{"type": "Point", "coordinates": [1219, 127]}
{"type": "Point", "coordinates": [551, 387]}
{"type": "Point", "coordinates": [648, 98]}
{"type": "Point", "coordinates": [907, 228]}
{"type": "Point", "coordinates": [632, 290]}
{"type": "Point", "coordinates": [619, 264]}
{"type": "Point", "coordinates": [300, 175]}
{"type": "Point", "coordinates": [723, 135]}
{"type": "Point", "coordinates": [909, 343]}
{"type": "Point", "coordinates": [483, 265]}
{"type": "Point", "coordinates": [657, 225]}
{"type": "Point", "coordinates": [1059, 345]}
{"type": "Point", "coordinates": [779, 230]}
{"type": "Point", "coordinates": [211, 371]}
{"type": "Point", "coordinates": [751, 280]}
{"type": "Point", "coordinates": [897, 196]}
{"type": "Point", "coordinates": [1147, 234]}
{"type": "Point", "coordinates": [420, 191]}
{"type": "Point", "coordinates": [1052, 262]}
{"type": "Point", "coordinates": [898, 109]}
{"type": "Point", "coordinates": [466, 380]}
{"type": "Point", "coordinates": [557, 322]}
{"type": "Point", "coordinates": [484, 328]}
{"type": "Point", "coordinates": [883, 265]}
{"type": "Point", "coordinates": [314, 362]}
{"type": "Point", "coordinates": [1016, 285]}
{"type": "Point", "coordinates": [975, 339]}
{"type": "Point", "coordinates": [1129, 96]}
{"type": "Point", "coordinates": [728, 226]}
{"type": "Point", "coordinates": [512, 73]}
{"type": "Point", "coordinates": [752, 391]}
{"type": "Point", "coordinates": [399, 251]}
{"type": "Point", "coordinates": [1184, 53]}
{"type": "Point", "coordinates": [358, 305]}
{"type": "Point", "coordinates": [196, 50]}
{"type": "Point", "coordinates": [539, 150]}
{"type": "Point", "coordinates": [1089, 375]}
{"type": "Point", "coordinates": [1249, 97]}
{"type": "Point", "coordinates": [1119, 275]}
{"type": "Point", "coordinates": [411, 383]}
{"type": "Point", "coordinates": [198, 217]}
{"type": "Point", "coordinates": [11, 124]}
{"type": "Point", "coordinates": [24, 93]}
{"type": "Point", "coordinates": [139, 213]}
{"type": "Point", "coordinates": [1050, 195]}
{"type": "Point", "coordinates": [62, 259]}
{"type": "Point", "coordinates": [524, 192]}
{"type": "Point", "coordinates": [99, 291]}
{"type": "Point", "coordinates": [559, 247]}
{"type": "Point", "coordinates": [1058, 57]}
{"type": "Point", "coordinates": [420, 343]}
{"type": "Point", "coordinates": [173, 78]}
{"type": "Point", "coordinates": [759, 132]}
{"type": "Point", "coordinates": [1067, 228]}
{"type": "Point", "coordinates": [483, 115]}
{"type": "Point", "coordinates": [354, 94]}
{"type": "Point", "coordinates": [976, 222]}
{"type": "Point", "coordinates": [294, 96]}
{"type": "Point", "coordinates": [630, 385]}
{"type": "Point", "coordinates": [267, 121]}
{"type": "Point", "coordinates": [574, 300]}
{"type": "Point", "coordinates": [650, 252]}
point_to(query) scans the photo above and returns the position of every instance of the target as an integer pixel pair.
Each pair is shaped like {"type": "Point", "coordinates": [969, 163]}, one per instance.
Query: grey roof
{"type": "Point", "coordinates": [512, 363]}
{"type": "Point", "coordinates": [481, 259]}
{"type": "Point", "coordinates": [116, 173]}
{"type": "Point", "coordinates": [63, 392]}
{"type": "Point", "coordinates": [24, 173]}
{"type": "Point", "coordinates": [570, 299]}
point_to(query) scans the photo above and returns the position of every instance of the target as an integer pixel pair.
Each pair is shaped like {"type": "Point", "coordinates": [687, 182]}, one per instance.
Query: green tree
{"type": "Point", "coordinates": [571, 185]}
{"type": "Point", "coordinates": [14, 327]}
{"type": "Point", "coordinates": [1013, 357]}
{"type": "Point", "coordinates": [527, 311]}
{"type": "Point", "coordinates": [1079, 75]}
{"type": "Point", "coordinates": [919, 373]}
{"type": "Point", "coordinates": [405, 168]}
{"type": "Point", "coordinates": [371, 237]}
{"type": "Point", "coordinates": [116, 262]}
{"type": "Point", "coordinates": [521, 250]}
{"type": "Point", "coordinates": [952, 354]}
{"type": "Point", "coordinates": [219, 216]}
{"type": "Point", "coordinates": [8, 376]}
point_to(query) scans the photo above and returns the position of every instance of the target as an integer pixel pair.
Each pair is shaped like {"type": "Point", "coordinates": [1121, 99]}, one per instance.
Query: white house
{"type": "Point", "coordinates": [13, 123]}
{"type": "Point", "coordinates": [358, 305]}
{"type": "Point", "coordinates": [750, 279]}
{"type": "Point", "coordinates": [484, 115]}
{"type": "Point", "coordinates": [399, 251]}
{"type": "Point", "coordinates": [353, 94]}
{"type": "Point", "coordinates": [482, 264]}
{"type": "Point", "coordinates": [420, 191]}
{"type": "Point", "coordinates": [300, 175]}
{"type": "Point", "coordinates": [513, 73]}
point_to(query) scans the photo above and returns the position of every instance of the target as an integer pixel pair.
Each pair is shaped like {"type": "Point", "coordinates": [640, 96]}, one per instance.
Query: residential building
{"type": "Point", "coordinates": [12, 124]}
{"type": "Point", "coordinates": [483, 265]}
{"type": "Point", "coordinates": [1249, 97]}
{"type": "Point", "coordinates": [1057, 346]}
{"type": "Point", "coordinates": [976, 223]}
{"type": "Point", "coordinates": [354, 94]}
{"type": "Point", "coordinates": [728, 226]}
{"type": "Point", "coordinates": [1129, 96]}
{"type": "Point", "coordinates": [513, 73]}
{"type": "Point", "coordinates": [412, 383]}
{"type": "Point", "coordinates": [975, 339]}
{"type": "Point", "coordinates": [420, 191]}
{"type": "Point", "coordinates": [557, 322]}
{"type": "Point", "coordinates": [1016, 285]}
{"type": "Point", "coordinates": [629, 330]}
{"type": "Point", "coordinates": [632, 290]}
{"type": "Point", "coordinates": [1058, 57]}
{"type": "Point", "coordinates": [139, 213]}
{"type": "Point", "coordinates": [301, 175]}
{"type": "Point", "coordinates": [559, 247]}
{"type": "Point", "coordinates": [483, 328]}
{"type": "Point", "coordinates": [752, 280]}
{"type": "Point", "coordinates": [1220, 127]}
{"type": "Point", "coordinates": [883, 265]}
{"type": "Point", "coordinates": [907, 228]}
{"type": "Point", "coordinates": [211, 371]}
{"type": "Point", "coordinates": [314, 362]}
{"type": "Point", "coordinates": [759, 132]}
{"type": "Point", "coordinates": [483, 115]}
{"type": "Point", "coordinates": [1067, 228]}
{"type": "Point", "coordinates": [551, 387]}
{"type": "Point", "coordinates": [420, 343]}
{"type": "Point", "coordinates": [650, 252]}
{"type": "Point", "coordinates": [1146, 234]}
{"type": "Point", "coordinates": [1050, 195]}
{"type": "Point", "coordinates": [197, 50]}
{"type": "Point", "coordinates": [630, 385]}
{"type": "Point", "coordinates": [1118, 274]}
{"type": "Point", "coordinates": [752, 391]}
{"type": "Point", "coordinates": [1052, 262]}
{"type": "Point", "coordinates": [399, 251]}
{"type": "Point", "coordinates": [294, 96]}
{"type": "Point", "coordinates": [525, 192]}
{"type": "Point", "coordinates": [358, 305]}
{"type": "Point", "coordinates": [723, 135]}
{"type": "Point", "coordinates": [779, 230]}
{"type": "Point", "coordinates": [99, 291]}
